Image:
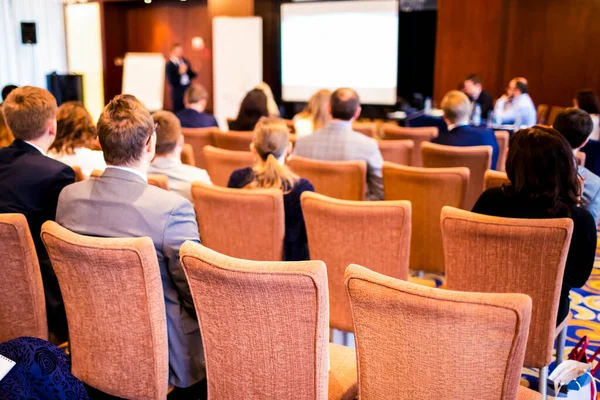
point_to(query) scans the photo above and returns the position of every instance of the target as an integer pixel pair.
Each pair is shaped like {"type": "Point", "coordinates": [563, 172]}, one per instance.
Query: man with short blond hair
{"type": "Point", "coordinates": [30, 182]}
{"type": "Point", "coordinates": [194, 115]}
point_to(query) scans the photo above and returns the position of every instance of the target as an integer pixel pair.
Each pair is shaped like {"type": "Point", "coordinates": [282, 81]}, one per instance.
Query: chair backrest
{"type": "Point", "coordinates": [187, 155]}
{"type": "Point", "coordinates": [397, 151]}
{"type": "Point", "coordinates": [221, 163]}
{"type": "Point", "coordinates": [370, 129]}
{"type": "Point", "coordinates": [198, 138]}
{"type": "Point", "coordinates": [554, 111]}
{"type": "Point", "coordinates": [542, 113]}
{"type": "Point", "coordinates": [234, 140]}
{"type": "Point", "coordinates": [508, 255]}
{"type": "Point", "coordinates": [96, 173]}
{"type": "Point", "coordinates": [477, 158]}
{"type": "Point", "coordinates": [264, 325]}
{"type": "Point", "coordinates": [580, 159]}
{"type": "Point", "coordinates": [23, 307]}
{"type": "Point", "coordinates": [340, 232]}
{"type": "Point", "coordinates": [397, 322]}
{"type": "Point", "coordinates": [115, 307]}
{"type": "Point", "coordinates": [346, 180]}
{"type": "Point", "coordinates": [79, 176]}
{"type": "Point", "coordinates": [158, 180]}
{"type": "Point", "coordinates": [428, 190]}
{"type": "Point", "coordinates": [494, 179]}
{"type": "Point", "coordinates": [502, 137]}
{"type": "Point", "coordinates": [242, 223]}
{"type": "Point", "coordinates": [417, 135]}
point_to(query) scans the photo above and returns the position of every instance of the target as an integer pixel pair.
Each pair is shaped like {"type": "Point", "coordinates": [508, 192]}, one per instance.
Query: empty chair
{"type": "Point", "coordinates": [158, 180]}
{"type": "Point", "coordinates": [494, 179]}
{"type": "Point", "coordinates": [340, 232]}
{"type": "Point", "coordinates": [477, 158]}
{"type": "Point", "coordinates": [428, 190]}
{"type": "Point", "coordinates": [502, 137]}
{"type": "Point", "coordinates": [415, 342]}
{"type": "Point", "coordinates": [23, 307]}
{"type": "Point", "coordinates": [115, 309]}
{"type": "Point", "coordinates": [370, 129]}
{"type": "Point", "coordinates": [417, 135]}
{"type": "Point", "coordinates": [187, 155]}
{"type": "Point", "coordinates": [241, 223]}
{"type": "Point", "coordinates": [198, 138]}
{"type": "Point", "coordinates": [79, 176]}
{"type": "Point", "coordinates": [397, 151]}
{"type": "Point", "coordinates": [542, 114]}
{"type": "Point", "coordinates": [346, 180]}
{"type": "Point", "coordinates": [221, 163]}
{"type": "Point", "coordinates": [233, 140]}
{"type": "Point", "coordinates": [554, 111]}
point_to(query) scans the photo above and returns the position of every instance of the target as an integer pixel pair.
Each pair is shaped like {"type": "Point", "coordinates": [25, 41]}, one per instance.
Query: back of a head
{"type": "Point", "coordinates": [74, 127]}
{"type": "Point", "coordinates": [6, 90]}
{"type": "Point", "coordinates": [522, 86]}
{"type": "Point", "coordinates": [318, 108]}
{"type": "Point", "coordinates": [254, 105]}
{"type": "Point", "coordinates": [344, 104]}
{"type": "Point", "coordinates": [271, 103]}
{"type": "Point", "coordinates": [168, 131]}
{"type": "Point", "coordinates": [29, 111]}
{"type": "Point", "coordinates": [195, 94]}
{"type": "Point", "coordinates": [575, 125]}
{"type": "Point", "coordinates": [588, 101]}
{"type": "Point", "coordinates": [124, 128]}
{"type": "Point", "coordinates": [456, 106]}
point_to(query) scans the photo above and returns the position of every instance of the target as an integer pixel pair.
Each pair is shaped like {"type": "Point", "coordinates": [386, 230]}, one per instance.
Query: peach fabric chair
{"type": "Point", "coordinates": [233, 140]}
{"type": "Point", "coordinates": [198, 138]}
{"type": "Point", "coordinates": [508, 255]}
{"type": "Point", "coordinates": [554, 111]}
{"type": "Point", "coordinates": [494, 179]}
{"type": "Point", "coordinates": [187, 155]}
{"type": "Point", "coordinates": [370, 129]}
{"type": "Point", "coordinates": [417, 135]}
{"type": "Point", "coordinates": [243, 223]}
{"type": "Point", "coordinates": [502, 137]}
{"type": "Point", "coordinates": [542, 113]}
{"type": "Point", "coordinates": [79, 176]}
{"type": "Point", "coordinates": [265, 328]}
{"type": "Point", "coordinates": [23, 307]}
{"type": "Point", "coordinates": [428, 190]}
{"type": "Point", "coordinates": [396, 323]}
{"type": "Point", "coordinates": [477, 158]}
{"type": "Point", "coordinates": [221, 163]}
{"type": "Point", "coordinates": [96, 173]}
{"type": "Point", "coordinates": [397, 151]}
{"type": "Point", "coordinates": [346, 180]}
{"type": "Point", "coordinates": [340, 232]}
{"type": "Point", "coordinates": [158, 180]}
{"type": "Point", "coordinates": [580, 159]}
{"type": "Point", "coordinates": [120, 350]}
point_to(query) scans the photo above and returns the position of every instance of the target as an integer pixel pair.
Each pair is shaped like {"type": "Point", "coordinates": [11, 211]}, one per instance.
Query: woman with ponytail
{"type": "Point", "coordinates": [270, 147]}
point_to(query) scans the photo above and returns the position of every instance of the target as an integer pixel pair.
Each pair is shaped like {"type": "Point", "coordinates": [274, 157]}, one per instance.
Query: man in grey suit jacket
{"type": "Point", "coordinates": [338, 142]}
{"type": "Point", "coordinates": [120, 203]}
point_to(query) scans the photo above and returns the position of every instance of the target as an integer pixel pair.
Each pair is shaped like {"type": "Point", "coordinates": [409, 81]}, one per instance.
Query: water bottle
{"type": "Point", "coordinates": [490, 119]}
{"type": "Point", "coordinates": [428, 106]}
{"type": "Point", "coordinates": [477, 115]}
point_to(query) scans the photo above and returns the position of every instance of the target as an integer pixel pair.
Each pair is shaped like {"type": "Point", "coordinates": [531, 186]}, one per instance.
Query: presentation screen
{"type": "Point", "coordinates": [327, 45]}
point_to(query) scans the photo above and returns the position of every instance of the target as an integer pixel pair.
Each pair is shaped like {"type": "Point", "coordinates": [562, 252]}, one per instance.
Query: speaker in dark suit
{"type": "Point", "coordinates": [179, 75]}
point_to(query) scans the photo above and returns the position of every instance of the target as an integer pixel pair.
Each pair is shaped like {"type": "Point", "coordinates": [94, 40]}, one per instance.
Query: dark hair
{"type": "Point", "coordinates": [344, 103]}
{"type": "Point", "coordinates": [476, 79]}
{"type": "Point", "coordinates": [253, 107]}
{"type": "Point", "coordinates": [6, 91]}
{"type": "Point", "coordinates": [522, 86]}
{"type": "Point", "coordinates": [575, 125]}
{"type": "Point", "coordinates": [588, 101]}
{"type": "Point", "coordinates": [541, 167]}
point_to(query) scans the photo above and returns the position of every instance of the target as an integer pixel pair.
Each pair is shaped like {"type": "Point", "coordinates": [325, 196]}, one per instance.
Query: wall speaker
{"type": "Point", "coordinates": [28, 35]}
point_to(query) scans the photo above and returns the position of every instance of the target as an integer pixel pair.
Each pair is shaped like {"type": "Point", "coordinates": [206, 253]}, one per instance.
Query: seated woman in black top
{"type": "Point", "coordinates": [253, 107]}
{"type": "Point", "coordinates": [544, 184]}
{"type": "Point", "coordinates": [271, 147]}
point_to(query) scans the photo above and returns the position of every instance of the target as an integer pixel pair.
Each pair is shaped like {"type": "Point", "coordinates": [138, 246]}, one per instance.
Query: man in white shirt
{"type": "Point", "coordinates": [180, 75]}
{"type": "Point", "coordinates": [516, 107]}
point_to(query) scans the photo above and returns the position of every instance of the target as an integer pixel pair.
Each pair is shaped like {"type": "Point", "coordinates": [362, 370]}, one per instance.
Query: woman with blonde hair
{"type": "Point", "coordinates": [270, 147]}
{"type": "Point", "coordinates": [271, 103]}
{"type": "Point", "coordinates": [6, 137]}
{"type": "Point", "coordinates": [316, 114]}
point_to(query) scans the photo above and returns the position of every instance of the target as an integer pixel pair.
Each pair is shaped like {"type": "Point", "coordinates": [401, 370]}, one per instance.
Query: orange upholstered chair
{"type": "Point", "coordinates": [340, 232]}
{"type": "Point", "coordinates": [580, 158]}
{"type": "Point", "coordinates": [23, 307]}
{"type": "Point", "coordinates": [243, 223]}
{"type": "Point", "coordinates": [187, 155]}
{"type": "Point", "coordinates": [265, 328]}
{"type": "Point", "coordinates": [370, 129]}
{"type": "Point", "coordinates": [506, 255]}
{"type": "Point", "coordinates": [494, 179]}
{"type": "Point", "coordinates": [198, 138]}
{"type": "Point", "coordinates": [554, 111]}
{"type": "Point", "coordinates": [79, 176]}
{"type": "Point", "coordinates": [221, 163]}
{"type": "Point", "coordinates": [120, 350]}
{"type": "Point", "coordinates": [233, 140]}
{"type": "Point", "coordinates": [477, 158]}
{"type": "Point", "coordinates": [502, 137]}
{"type": "Point", "coordinates": [542, 113]}
{"type": "Point", "coordinates": [158, 180]}
{"type": "Point", "coordinates": [428, 190]}
{"type": "Point", "coordinates": [417, 135]}
{"type": "Point", "coordinates": [415, 342]}
{"type": "Point", "coordinates": [346, 180]}
{"type": "Point", "coordinates": [397, 151]}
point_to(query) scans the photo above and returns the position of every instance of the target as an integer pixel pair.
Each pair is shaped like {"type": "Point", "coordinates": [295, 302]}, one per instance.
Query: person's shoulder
{"type": "Point", "coordinates": [164, 199]}
{"type": "Point", "coordinates": [240, 177]}
{"type": "Point", "coordinates": [581, 216]}
{"type": "Point", "coordinates": [363, 140]}
{"type": "Point", "coordinates": [304, 185]}
{"type": "Point", "coordinates": [77, 190]}
{"type": "Point", "coordinates": [492, 195]}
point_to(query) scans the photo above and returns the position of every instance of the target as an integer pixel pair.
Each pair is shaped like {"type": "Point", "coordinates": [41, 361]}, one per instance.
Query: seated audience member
{"type": "Point", "coordinates": [30, 182]}
{"type": "Point", "coordinates": [271, 146]}
{"type": "Point", "coordinates": [338, 142]}
{"type": "Point", "coordinates": [516, 107]}
{"type": "Point", "coordinates": [193, 115]}
{"type": "Point", "coordinates": [473, 88]}
{"type": "Point", "coordinates": [6, 91]}
{"type": "Point", "coordinates": [169, 143]}
{"type": "Point", "coordinates": [316, 114]}
{"type": "Point", "coordinates": [544, 184]}
{"type": "Point", "coordinates": [588, 101]}
{"type": "Point", "coordinates": [75, 135]}
{"type": "Point", "coordinates": [457, 109]}
{"type": "Point", "coordinates": [271, 103]}
{"type": "Point", "coordinates": [253, 107]}
{"type": "Point", "coordinates": [576, 125]}
{"type": "Point", "coordinates": [120, 203]}
{"type": "Point", "coordinates": [6, 136]}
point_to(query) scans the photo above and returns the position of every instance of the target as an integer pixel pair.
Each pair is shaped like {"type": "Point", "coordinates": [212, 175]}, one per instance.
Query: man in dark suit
{"type": "Point", "coordinates": [457, 109]}
{"type": "Point", "coordinates": [473, 88]}
{"type": "Point", "coordinates": [180, 75]}
{"type": "Point", "coordinates": [193, 115]}
{"type": "Point", "coordinates": [30, 182]}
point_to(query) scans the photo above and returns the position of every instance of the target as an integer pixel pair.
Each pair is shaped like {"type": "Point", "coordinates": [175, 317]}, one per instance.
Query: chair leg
{"type": "Point", "coordinates": [560, 345]}
{"type": "Point", "coordinates": [543, 387]}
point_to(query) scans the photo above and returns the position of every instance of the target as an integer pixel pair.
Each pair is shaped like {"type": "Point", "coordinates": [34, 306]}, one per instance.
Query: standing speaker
{"type": "Point", "coordinates": [28, 35]}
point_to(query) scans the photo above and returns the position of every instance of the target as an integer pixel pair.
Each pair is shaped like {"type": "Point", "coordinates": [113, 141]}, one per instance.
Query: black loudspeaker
{"type": "Point", "coordinates": [28, 35]}
{"type": "Point", "coordinates": [65, 87]}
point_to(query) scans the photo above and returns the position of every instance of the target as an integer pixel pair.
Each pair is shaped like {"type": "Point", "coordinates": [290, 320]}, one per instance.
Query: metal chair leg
{"type": "Point", "coordinates": [543, 386]}
{"type": "Point", "coordinates": [560, 345]}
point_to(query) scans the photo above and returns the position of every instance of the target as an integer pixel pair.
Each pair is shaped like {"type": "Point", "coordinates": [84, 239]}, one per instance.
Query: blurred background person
{"type": "Point", "coordinates": [516, 107]}
{"type": "Point", "coordinates": [271, 103]}
{"type": "Point", "coordinates": [194, 115]}
{"type": "Point", "coordinates": [253, 107]}
{"type": "Point", "coordinates": [179, 75]}
{"type": "Point", "coordinates": [587, 100]}
{"type": "Point", "coordinates": [473, 88]}
{"type": "Point", "coordinates": [315, 115]}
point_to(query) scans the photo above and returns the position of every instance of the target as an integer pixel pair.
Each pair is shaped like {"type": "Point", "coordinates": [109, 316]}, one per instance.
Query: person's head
{"type": "Point", "coordinates": [457, 107]}
{"type": "Point", "coordinates": [254, 106]}
{"type": "Point", "coordinates": [6, 91]}
{"type": "Point", "coordinates": [344, 105]}
{"type": "Point", "coordinates": [74, 128]}
{"type": "Point", "coordinates": [271, 146]}
{"type": "Point", "coordinates": [271, 103]}
{"type": "Point", "coordinates": [318, 108]}
{"type": "Point", "coordinates": [6, 136]}
{"type": "Point", "coordinates": [516, 87]}
{"type": "Point", "coordinates": [587, 100]}
{"type": "Point", "coordinates": [30, 114]}
{"type": "Point", "coordinates": [575, 125]}
{"type": "Point", "coordinates": [169, 139]}
{"type": "Point", "coordinates": [196, 97]}
{"type": "Point", "coordinates": [126, 132]}
{"type": "Point", "coordinates": [540, 167]}
{"type": "Point", "coordinates": [472, 86]}
{"type": "Point", "coordinates": [177, 50]}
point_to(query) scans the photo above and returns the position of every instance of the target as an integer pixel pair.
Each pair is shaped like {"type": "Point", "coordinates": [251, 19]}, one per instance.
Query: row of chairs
{"type": "Point", "coordinates": [546, 114]}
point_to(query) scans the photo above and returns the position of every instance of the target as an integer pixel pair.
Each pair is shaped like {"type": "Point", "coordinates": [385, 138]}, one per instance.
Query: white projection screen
{"type": "Point", "coordinates": [327, 45]}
